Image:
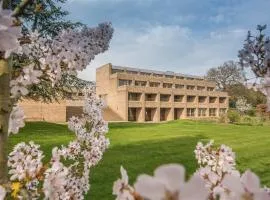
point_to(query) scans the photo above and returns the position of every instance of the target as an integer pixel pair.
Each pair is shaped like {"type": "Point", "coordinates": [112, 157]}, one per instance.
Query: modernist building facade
{"type": "Point", "coordinates": [133, 94]}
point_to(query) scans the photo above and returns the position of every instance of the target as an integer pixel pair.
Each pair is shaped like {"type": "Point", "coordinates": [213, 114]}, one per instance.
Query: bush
{"type": "Point", "coordinates": [223, 118]}
{"type": "Point", "coordinates": [247, 120]}
{"type": "Point", "coordinates": [233, 116]}
{"type": "Point", "coordinates": [251, 112]}
{"type": "Point", "coordinates": [262, 112]}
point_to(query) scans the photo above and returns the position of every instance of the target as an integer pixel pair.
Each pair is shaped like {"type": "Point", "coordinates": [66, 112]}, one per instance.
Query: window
{"type": "Point", "coordinates": [158, 75]}
{"type": "Point", "coordinates": [212, 112]}
{"type": "Point", "coordinates": [178, 86]}
{"type": "Point", "coordinates": [210, 89]}
{"type": "Point", "coordinates": [154, 84]}
{"type": "Point", "coordinates": [169, 76]}
{"type": "Point", "coordinates": [189, 78]}
{"type": "Point", "coordinates": [191, 112]}
{"type": "Point", "coordinates": [117, 71]}
{"type": "Point", "coordinates": [150, 97]}
{"type": "Point", "coordinates": [167, 85]}
{"type": "Point", "coordinates": [140, 83]}
{"type": "Point", "coordinates": [178, 98]}
{"type": "Point", "coordinates": [180, 77]}
{"type": "Point", "coordinates": [124, 82]}
{"type": "Point", "coordinates": [202, 112]}
{"type": "Point", "coordinates": [165, 97]}
{"type": "Point", "coordinates": [222, 99]}
{"type": "Point", "coordinates": [190, 87]}
{"type": "Point", "coordinates": [202, 99]}
{"type": "Point", "coordinates": [132, 72]}
{"type": "Point", "coordinates": [212, 99]}
{"type": "Point", "coordinates": [200, 88]}
{"type": "Point", "coordinates": [145, 73]}
{"type": "Point", "coordinates": [134, 96]}
{"type": "Point", "coordinates": [191, 99]}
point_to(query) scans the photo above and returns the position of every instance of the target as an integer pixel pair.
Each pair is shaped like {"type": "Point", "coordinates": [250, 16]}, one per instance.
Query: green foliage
{"type": "Point", "coordinates": [140, 148]}
{"type": "Point", "coordinates": [251, 112]}
{"type": "Point", "coordinates": [251, 121]}
{"type": "Point", "coordinates": [239, 90]}
{"type": "Point", "coordinates": [233, 116]}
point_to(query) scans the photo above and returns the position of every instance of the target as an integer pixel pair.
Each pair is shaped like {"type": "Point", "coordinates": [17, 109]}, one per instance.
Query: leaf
{"type": "Point", "coordinates": [3, 67]}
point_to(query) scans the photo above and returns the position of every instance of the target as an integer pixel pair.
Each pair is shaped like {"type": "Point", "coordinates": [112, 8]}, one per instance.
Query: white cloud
{"type": "Point", "coordinates": [171, 48]}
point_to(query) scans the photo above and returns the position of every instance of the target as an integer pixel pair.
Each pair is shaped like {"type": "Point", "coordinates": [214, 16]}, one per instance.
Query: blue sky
{"type": "Point", "coordinates": [186, 36]}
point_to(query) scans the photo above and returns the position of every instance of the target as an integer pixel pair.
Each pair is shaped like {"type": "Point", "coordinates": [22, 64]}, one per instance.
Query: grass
{"type": "Point", "coordinates": [140, 148]}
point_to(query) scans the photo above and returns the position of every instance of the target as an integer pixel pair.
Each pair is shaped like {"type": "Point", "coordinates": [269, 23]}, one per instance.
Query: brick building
{"type": "Point", "coordinates": [134, 94]}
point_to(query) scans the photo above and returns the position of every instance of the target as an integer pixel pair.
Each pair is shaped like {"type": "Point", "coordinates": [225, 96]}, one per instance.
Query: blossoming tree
{"type": "Point", "coordinates": [28, 61]}
{"type": "Point", "coordinates": [242, 106]}
{"type": "Point", "coordinates": [256, 55]}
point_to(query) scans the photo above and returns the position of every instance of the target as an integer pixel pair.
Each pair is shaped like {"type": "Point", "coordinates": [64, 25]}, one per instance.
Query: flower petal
{"type": "Point", "coordinates": [233, 183]}
{"type": "Point", "coordinates": [194, 189]}
{"type": "Point", "coordinates": [172, 175]}
{"type": "Point", "coordinates": [149, 187]}
{"type": "Point", "coordinates": [250, 181]}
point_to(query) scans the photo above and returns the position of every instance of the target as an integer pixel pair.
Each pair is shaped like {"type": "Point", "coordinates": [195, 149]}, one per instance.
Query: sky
{"type": "Point", "coordinates": [184, 36]}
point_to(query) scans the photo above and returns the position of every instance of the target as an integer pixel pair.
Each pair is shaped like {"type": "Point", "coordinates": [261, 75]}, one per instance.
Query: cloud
{"type": "Point", "coordinates": [169, 47]}
{"type": "Point", "coordinates": [181, 36]}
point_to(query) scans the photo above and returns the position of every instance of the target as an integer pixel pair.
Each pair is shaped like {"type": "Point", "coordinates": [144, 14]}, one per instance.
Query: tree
{"type": "Point", "coordinates": [255, 55]}
{"type": "Point", "coordinates": [228, 74]}
{"type": "Point", "coordinates": [242, 106]}
{"type": "Point", "coordinates": [239, 90]}
{"type": "Point", "coordinates": [31, 59]}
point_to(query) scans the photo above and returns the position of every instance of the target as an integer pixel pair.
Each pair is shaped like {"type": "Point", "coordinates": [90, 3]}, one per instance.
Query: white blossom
{"type": "Point", "coordinates": [25, 161]}
{"type": "Point", "coordinates": [9, 33]}
{"type": "Point", "coordinates": [242, 106]}
{"type": "Point", "coordinates": [168, 182]}
{"type": "Point", "coordinates": [18, 87]}
{"type": "Point", "coordinates": [246, 187]}
{"type": "Point", "coordinates": [121, 189]}
{"type": "Point", "coordinates": [16, 120]}
{"type": "Point", "coordinates": [2, 193]}
{"type": "Point", "coordinates": [31, 75]}
{"type": "Point", "coordinates": [88, 147]}
{"type": "Point", "coordinates": [55, 181]}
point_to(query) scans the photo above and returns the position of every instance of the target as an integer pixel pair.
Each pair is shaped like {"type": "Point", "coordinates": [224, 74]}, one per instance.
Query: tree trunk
{"type": "Point", "coordinates": [5, 109]}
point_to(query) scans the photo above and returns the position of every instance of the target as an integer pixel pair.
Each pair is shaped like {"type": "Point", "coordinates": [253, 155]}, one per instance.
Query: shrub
{"type": "Point", "coordinates": [261, 110]}
{"type": "Point", "coordinates": [251, 112]}
{"type": "Point", "coordinates": [223, 118]}
{"type": "Point", "coordinates": [233, 116]}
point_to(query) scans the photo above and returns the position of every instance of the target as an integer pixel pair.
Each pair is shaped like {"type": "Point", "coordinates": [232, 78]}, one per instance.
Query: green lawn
{"type": "Point", "coordinates": [140, 148]}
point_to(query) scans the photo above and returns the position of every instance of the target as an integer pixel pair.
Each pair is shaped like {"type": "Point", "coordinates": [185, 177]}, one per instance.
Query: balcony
{"type": "Point", "coordinates": [165, 97]}
{"type": "Point", "coordinates": [134, 96]}
{"type": "Point", "coordinates": [191, 99]}
{"type": "Point", "coordinates": [202, 99]}
{"type": "Point", "coordinates": [178, 98]}
{"type": "Point", "coordinates": [140, 83]}
{"type": "Point", "coordinates": [150, 97]}
{"type": "Point", "coordinates": [212, 99]}
{"type": "Point", "coordinates": [222, 100]}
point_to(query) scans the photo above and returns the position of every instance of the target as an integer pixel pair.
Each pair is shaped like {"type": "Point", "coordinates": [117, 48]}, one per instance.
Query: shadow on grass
{"type": "Point", "coordinates": [142, 157]}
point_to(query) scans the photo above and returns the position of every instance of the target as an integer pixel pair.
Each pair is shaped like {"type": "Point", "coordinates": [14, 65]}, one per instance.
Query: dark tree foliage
{"type": "Point", "coordinates": [45, 16]}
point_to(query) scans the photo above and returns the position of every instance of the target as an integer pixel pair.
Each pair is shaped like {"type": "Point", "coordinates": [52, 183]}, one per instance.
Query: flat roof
{"type": "Point", "coordinates": [170, 73]}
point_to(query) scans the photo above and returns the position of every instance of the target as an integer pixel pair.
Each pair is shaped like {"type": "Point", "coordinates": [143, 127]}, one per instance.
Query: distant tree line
{"type": "Point", "coordinates": [229, 77]}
